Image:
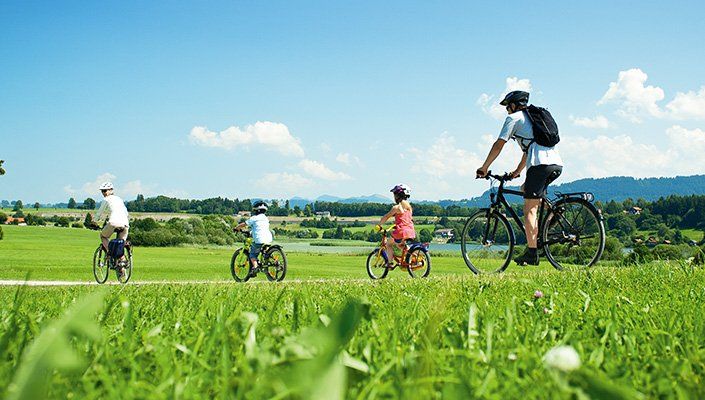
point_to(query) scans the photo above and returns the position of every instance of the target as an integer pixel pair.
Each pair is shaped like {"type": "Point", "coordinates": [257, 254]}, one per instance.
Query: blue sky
{"type": "Point", "coordinates": [282, 99]}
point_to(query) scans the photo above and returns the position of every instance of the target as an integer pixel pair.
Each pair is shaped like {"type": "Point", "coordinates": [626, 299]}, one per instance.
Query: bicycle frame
{"type": "Point", "coordinates": [497, 201]}
{"type": "Point", "coordinates": [399, 260]}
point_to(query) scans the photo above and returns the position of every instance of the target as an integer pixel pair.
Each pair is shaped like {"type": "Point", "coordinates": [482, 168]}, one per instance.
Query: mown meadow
{"type": "Point", "coordinates": [638, 332]}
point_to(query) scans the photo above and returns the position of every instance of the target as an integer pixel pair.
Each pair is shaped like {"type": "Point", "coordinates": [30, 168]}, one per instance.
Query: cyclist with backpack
{"type": "Point", "coordinates": [536, 132]}
{"type": "Point", "coordinates": [112, 207]}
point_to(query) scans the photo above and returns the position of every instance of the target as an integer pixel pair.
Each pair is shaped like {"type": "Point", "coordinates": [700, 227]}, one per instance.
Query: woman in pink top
{"type": "Point", "coordinates": [402, 213]}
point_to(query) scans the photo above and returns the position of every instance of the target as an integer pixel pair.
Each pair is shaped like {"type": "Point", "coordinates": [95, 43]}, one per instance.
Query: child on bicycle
{"type": "Point", "coordinates": [402, 213]}
{"type": "Point", "coordinates": [259, 228]}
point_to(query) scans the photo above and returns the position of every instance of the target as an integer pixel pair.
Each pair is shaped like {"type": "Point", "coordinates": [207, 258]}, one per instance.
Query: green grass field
{"type": "Point", "coordinates": [639, 332]}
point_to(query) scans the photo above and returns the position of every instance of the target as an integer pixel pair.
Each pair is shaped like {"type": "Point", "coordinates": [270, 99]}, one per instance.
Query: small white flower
{"type": "Point", "coordinates": [512, 357]}
{"type": "Point", "coordinates": [563, 358]}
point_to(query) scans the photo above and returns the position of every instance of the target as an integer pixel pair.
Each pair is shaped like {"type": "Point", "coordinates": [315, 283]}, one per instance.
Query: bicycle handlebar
{"type": "Point", "coordinates": [502, 178]}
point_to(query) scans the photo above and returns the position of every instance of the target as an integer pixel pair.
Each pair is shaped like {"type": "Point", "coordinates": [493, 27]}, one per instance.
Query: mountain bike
{"type": "Point", "coordinates": [103, 261]}
{"type": "Point", "coordinates": [271, 261]}
{"type": "Point", "coordinates": [571, 231]}
{"type": "Point", "coordinates": [414, 258]}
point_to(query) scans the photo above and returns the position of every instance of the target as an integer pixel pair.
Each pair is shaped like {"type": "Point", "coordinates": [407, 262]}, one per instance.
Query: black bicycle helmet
{"type": "Point", "coordinates": [259, 207]}
{"type": "Point", "coordinates": [518, 97]}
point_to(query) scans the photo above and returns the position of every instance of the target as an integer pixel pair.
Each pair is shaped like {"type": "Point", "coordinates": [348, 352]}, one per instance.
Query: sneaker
{"type": "Point", "coordinates": [527, 258]}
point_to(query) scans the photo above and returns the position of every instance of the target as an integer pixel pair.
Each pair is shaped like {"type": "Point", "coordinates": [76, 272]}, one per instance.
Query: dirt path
{"type": "Point", "coordinates": [10, 282]}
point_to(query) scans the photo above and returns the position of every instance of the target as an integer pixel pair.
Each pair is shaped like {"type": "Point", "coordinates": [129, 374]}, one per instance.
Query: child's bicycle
{"type": "Point", "coordinates": [271, 261]}
{"type": "Point", "coordinates": [104, 261]}
{"type": "Point", "coordinates": [414, 258]}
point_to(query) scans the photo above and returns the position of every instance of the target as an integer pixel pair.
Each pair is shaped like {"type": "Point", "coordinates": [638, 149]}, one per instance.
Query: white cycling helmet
{"type": "Point", "coordinates": [106, 186]}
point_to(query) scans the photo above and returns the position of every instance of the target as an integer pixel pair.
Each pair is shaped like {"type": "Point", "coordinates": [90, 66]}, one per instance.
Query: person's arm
{"type": "Point", "coordinates": [101, 210]}
{"type": "Point", "coordinates": [520, 167]}
{"type": "Point", "coordinates": [390, 214]}
{"type": "Point", "coordinates": [491, 156]}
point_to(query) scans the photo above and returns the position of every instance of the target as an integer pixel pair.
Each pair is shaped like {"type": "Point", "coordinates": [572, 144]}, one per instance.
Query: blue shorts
{"type": "Point", "coordinates": [255, 249]}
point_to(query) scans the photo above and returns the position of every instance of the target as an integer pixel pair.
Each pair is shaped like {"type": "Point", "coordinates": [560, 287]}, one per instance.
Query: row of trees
{"type": "Point", "coordinates": [88, 204]}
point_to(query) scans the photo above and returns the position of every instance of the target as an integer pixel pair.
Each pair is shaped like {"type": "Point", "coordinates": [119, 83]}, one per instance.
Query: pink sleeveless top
{"type": "Point", "coordinates": [404, 226]}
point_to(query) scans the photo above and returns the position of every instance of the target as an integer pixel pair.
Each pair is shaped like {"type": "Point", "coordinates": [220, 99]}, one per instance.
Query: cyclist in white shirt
{"type": "Point", "coordinates": [259, 228]}
{"type": "Point", "coordinates": [114, 208]}
{"type": "Point", "coordinates": [544, 166]}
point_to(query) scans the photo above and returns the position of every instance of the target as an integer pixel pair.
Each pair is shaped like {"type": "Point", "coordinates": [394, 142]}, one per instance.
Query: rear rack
{"type": "Point", "coordinates": [587, 196]}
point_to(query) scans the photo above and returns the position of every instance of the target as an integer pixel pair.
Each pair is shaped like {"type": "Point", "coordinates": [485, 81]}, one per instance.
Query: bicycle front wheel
{"type": "Point", "coordinates": [240, 266]}
{"type": "Point", "coordinates": [487, 242]}
{"type": "Point", "coordinates": [573, 235]}
{"type": "Point", "coordinates": [101, 268]}
{"type": "Point", "coordinates": [377, 264]}
{"type": "Point", "coordinates": [275, 264]}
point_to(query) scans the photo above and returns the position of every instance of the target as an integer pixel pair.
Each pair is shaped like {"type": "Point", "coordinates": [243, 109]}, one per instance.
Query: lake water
{"type": "Point", "coordinates": [305, 247]}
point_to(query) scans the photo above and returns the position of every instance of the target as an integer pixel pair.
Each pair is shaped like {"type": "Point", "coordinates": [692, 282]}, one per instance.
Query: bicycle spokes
{"type": "Point", "coordinates": [573, 235]}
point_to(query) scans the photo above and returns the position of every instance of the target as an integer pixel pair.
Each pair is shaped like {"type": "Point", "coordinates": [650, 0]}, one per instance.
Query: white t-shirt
{"type": "Point", "coordinates": [518, 127]}
{"type": "Point", "coordinates": [116, 210]}
{"type": "Point", "coordinates": [259, 226]}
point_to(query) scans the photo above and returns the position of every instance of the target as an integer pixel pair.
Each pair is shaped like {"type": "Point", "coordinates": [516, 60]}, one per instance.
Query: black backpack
{"type": "Point", "coordinates": [544, 126]}
{"type": "Point", "coordinates": [116, 248]}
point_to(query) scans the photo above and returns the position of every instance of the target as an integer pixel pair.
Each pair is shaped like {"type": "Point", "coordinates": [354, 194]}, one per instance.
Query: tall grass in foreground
{"type": "Point", "coordinates": [637, 332]}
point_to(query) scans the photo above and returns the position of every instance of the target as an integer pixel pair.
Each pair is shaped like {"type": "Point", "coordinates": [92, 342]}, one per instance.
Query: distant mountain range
{"type": "Point", "coordinates": [374, 198]}
{"type": "Point", "coordinates": [616, 188]}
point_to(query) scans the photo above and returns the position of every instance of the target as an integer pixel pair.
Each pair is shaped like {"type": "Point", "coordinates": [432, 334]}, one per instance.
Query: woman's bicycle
{"type": "Point", "coordinates": [104, 261]}
{"type": "Point", "coordinates": [271, 261]}
{"type": "Point", "coordinates": [571, 231]}
{"type": "Point", "coordinates": [414, 257]}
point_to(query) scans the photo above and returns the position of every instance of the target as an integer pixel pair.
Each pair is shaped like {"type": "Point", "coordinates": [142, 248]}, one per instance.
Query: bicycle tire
{"type": "Point", "coordinates": [101, 270]}
{"type": "Point", "coordinates": [279, 265]}
{"type": "Point", "coordinates": [378, 262]}
{"type": "Point", "coordinates": [412, 260]}
{"type": "Point", "coordinates": [502, 255]}
{"type": "Point", "coordinates": [235, 269]}
{"type": "Point", "coordinates": [553, 250]}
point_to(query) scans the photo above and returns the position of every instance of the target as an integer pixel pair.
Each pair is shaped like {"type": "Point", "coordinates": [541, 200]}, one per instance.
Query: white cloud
{"type": "Point", "coordinates": [678, 154]}
{"type": "Point", "coordinates": [319, 170]}
{"type": "Point", "coordinates": [127, 190]}
{"type": "Point", "coordinates": [284, 183]}
{"type": "Point", "coordinates": [633, 97]}
{"type": "Point", "coordinates": [133, 188]}
{"type": "Point", "coordinates": [91, 188]}
{"type": "Point", "coordinates": [599, 122]}
{"type": "Point", "coordinates": [272, 135]}
{"type": "Point", "coordinates": [445, 158]}
{"type": "Point", "coordinates": [689, 105]}
{"type": "Point", "coordinates": [490, 103]}
{"type": "Point", "coordinates": [347, 159]}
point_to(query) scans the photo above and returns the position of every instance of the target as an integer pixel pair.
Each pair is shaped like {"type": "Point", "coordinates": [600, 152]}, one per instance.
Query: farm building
{"type": "Point", "coordinates": [323, 214]}
{"type": "Point", "coordinates": [443, 234]}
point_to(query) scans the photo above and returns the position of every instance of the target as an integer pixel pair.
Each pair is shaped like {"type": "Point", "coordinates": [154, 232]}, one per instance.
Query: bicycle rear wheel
{"type": "Point", "coordinates": [101, 269]}
{"type": "Point", "coordinates": [419, 263]}
{"type": "Point", "coordinates": [127, 273]}
{"type": "Point", "coordinates": [573, 234]}
{"type": "Point", "coordinates": [275, 264]}
{"type": "Point", "coordinates": [240, 266]}
{"type": "Point", "coordinates": [487, 242]}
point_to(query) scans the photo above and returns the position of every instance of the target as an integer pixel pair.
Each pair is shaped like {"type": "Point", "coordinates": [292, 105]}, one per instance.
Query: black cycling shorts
{"type": "Point", "coordinates": [538, 178]}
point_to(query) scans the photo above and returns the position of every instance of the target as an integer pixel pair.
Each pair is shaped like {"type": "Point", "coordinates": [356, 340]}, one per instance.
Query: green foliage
{"type": "Point", "coordinates": [2, 234]}
{"type": "Point", "coordinates": [32, 219]}
{"type": "Point", "coordinates": [88, 204]}
{"type": "Point", "coordinates": [18, 206]}
{"type": "Point", "coordinates": [62, 222]}
{"type": "Point", "coordinates": [453, 337]}
{"type": "Point", "coordinates": [3, 217]}
{"type": "Point", "coordinates": [425, 236]}
{"type": "Point", "coordinates": [52, 350]}
{"type": "Point", "coordinates": [322, 223]}
{"type": "Point", "coordinates": [2, 170]}
{"type": "Point", "coordinates": [210, 229]}
{"type": "Point", "coordinates": [88, 221]}
{"type": "Point", "coordinates": [72, 203]}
